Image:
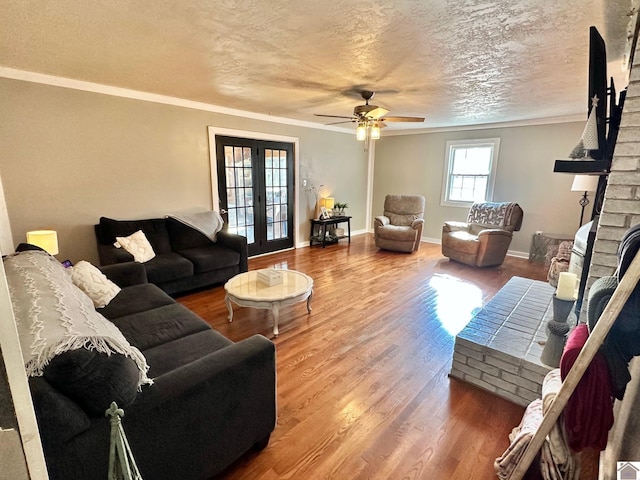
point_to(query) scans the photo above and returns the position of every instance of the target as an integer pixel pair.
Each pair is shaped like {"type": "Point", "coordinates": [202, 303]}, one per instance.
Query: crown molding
{"type": "Point", "coordinates": [63, 82]}
{"type": "Point", "coordinates": [487, 126]}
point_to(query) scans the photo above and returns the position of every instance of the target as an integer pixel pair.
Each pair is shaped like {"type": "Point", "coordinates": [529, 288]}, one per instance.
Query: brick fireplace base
{"type": "Point", "coordinates": [499, 349]}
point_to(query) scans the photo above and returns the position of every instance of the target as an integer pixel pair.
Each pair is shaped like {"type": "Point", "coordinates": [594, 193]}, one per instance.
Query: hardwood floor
{"type": "Point", "coordinates": [363, 391]}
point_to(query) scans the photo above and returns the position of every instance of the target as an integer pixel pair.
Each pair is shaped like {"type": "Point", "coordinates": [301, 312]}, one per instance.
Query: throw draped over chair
{"type": "Point", "coordinates": [400, 228]}
{"type": "Point", "coordinates": [484, 239]}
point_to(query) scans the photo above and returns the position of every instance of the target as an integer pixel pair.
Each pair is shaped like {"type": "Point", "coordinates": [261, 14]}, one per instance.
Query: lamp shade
{"type": "Point", "coordinates": [361, 132]}
{"type": "Point", "coordinates": [585, 183]}
{"type": "Point", "coordinates": [327, 202]}
{"type": "Point", "coordinates": [45, 239]}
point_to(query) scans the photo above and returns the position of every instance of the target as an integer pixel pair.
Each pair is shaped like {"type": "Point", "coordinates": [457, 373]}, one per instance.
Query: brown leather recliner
{"type": "Point", "coordinates": [400, 228]}
{"type": "Point", "coordinates": [484, 239]}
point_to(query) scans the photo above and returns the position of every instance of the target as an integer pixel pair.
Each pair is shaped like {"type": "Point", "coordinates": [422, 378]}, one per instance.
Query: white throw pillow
{"type": "Point", "coordinates": [94, 283]}
{"type": "Point", "coordinates": [137, 245]}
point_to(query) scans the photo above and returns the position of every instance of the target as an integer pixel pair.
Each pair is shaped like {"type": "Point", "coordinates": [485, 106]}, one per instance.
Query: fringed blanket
{"type": "Point", "coordinates": [208, 223]}
{"type": "Point", "coordinates": [557, 462]}
{"type": "Point", "coordinates": [54, 316]}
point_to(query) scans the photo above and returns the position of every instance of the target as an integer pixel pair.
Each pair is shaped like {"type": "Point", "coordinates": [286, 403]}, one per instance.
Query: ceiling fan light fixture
{"type": "Point", "coordinates": [361, 132]}
{"type": "Point", "coordinates": [375, 131]}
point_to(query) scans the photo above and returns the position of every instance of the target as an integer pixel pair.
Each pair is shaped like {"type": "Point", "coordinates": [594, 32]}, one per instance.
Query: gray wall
{"type": "Point", "coordinates": [69, 157]}
{"type": "Point", "coordinates": [415, 164]}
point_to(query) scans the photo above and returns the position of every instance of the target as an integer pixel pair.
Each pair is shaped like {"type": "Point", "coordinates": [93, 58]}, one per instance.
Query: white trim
{"type": "Point", "coordinates": [371, 159]}
{"type": "Point", "coordinates": [494, 144]}
{"type": "Point", "coordinates": [20, 393]}
{"type": "Point", "coordinates": [230, 132]}
{"type": "Point", "coordinates": [63, 82]}
{"type": "Point", "coordinates": [486, 126]}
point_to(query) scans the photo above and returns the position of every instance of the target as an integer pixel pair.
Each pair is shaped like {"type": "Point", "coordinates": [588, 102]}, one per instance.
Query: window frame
{"type": "Point", "coordinates": [494, 143]}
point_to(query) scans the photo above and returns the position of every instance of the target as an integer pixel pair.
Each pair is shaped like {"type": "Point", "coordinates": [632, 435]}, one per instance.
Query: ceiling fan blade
{"type": "Point", "coordinates": [332, 116]}
{"type": "Point", "coordinates": [402, 119]}
{"type": "Point", "coordinates": [377, 112]}
{"type": "Point", "coordinates": [338, 123]}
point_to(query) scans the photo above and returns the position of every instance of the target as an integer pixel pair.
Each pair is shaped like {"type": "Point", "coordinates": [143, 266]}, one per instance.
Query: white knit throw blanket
{"type": "Point", "coordinates": [208, 223]}
{"type": "Point", "coordinates": [54, 316]}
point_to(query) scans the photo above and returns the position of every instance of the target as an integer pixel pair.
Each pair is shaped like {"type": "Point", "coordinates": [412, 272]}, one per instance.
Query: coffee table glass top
{"type": "Point", "coordinates": [246, 286]}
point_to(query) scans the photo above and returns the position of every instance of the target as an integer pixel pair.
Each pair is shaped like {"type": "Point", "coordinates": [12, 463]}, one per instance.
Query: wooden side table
{"type": "Point", "coordinates": [321, 224]}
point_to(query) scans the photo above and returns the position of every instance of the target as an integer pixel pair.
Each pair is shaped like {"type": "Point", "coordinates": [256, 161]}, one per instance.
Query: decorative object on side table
{"type": "Point", "coordinates": [326, 206]}
{"type": "Point", "coordinates": [338, 209]}
{"type": "Point", "coordinates": [557, 328]}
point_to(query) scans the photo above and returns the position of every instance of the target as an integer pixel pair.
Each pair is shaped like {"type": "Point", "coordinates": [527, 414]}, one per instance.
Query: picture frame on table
{"type": "Point", "coordinates": [324, 213]}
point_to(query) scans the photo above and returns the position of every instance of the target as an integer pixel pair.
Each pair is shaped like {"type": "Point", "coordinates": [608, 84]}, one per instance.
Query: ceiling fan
{"type": "Point", "coordinates": [371, 116]}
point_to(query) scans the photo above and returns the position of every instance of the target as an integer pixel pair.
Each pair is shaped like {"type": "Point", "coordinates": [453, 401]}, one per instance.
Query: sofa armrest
{"type": "Point", "coordinates": [125, 274]}
{"type": "Point", "coordinates": [237, 243]}
{"type": "Point", "coordinates": [381, 221]}
{"type": "Point", "coordinates": [417, 223]}
{"type": "Point", "coordinates": [449, 227]}
{"type": "Point", "coordinates": [59, 417]}
{"type": "Point", "coordinates": [494, 232]}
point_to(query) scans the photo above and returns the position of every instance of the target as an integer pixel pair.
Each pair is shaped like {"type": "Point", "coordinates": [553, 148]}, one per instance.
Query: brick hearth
{"type": "Point", "coordinates": [499, 349]}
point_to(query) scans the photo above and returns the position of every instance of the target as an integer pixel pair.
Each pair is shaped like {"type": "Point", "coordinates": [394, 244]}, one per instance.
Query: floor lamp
{"type": "Point", "coordinates": [585, 184]}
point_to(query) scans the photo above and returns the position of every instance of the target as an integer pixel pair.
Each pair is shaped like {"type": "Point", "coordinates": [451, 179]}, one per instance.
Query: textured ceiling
{"type": "Point", "coordinates": [454, 62]}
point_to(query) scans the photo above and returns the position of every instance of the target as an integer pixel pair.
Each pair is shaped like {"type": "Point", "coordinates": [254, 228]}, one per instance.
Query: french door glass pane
{"type": "Point", "coordinates": [276, 197]}
{"type": "Point", "coordinates": [238, 173]}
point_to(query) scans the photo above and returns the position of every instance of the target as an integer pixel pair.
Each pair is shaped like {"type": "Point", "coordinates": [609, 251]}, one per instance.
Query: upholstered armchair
{"type": "Point", "coordinates": [400, 228]}
{"type": "Point", "coordinates": [483, 240]}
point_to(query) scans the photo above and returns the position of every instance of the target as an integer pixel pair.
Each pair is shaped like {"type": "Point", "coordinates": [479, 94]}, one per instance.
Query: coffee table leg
{"type": "Point", "coordinates": [275, 310]}
{"type": "Point", "coordinates": [309, 302]}
{"type": "Point", "coordinates": [228, 302]}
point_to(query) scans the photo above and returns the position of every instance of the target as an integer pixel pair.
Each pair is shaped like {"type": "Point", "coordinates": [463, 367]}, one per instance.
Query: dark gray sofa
{"type": "Point", "coordinates": [211, 400]}
{"type": "Point", "coordinates": [185, 258]}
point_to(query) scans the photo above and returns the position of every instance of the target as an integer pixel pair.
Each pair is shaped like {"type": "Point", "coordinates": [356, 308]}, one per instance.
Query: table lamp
{"type": "Point", "coordinates": [45, 239]}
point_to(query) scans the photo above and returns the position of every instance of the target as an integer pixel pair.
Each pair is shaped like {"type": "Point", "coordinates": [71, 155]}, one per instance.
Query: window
{"type": "Point", "coordinates": [470, 171]}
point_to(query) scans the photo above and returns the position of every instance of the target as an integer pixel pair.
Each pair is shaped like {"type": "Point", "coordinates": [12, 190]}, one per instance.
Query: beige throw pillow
{"type": "Point", "coordinates": [137, 245]}
{"type": "Point", "coordinates": [94, 283]}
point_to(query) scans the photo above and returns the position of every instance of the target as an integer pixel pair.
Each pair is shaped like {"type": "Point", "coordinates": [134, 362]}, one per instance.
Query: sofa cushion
{"type": "Point", "coordinates": [404, 220]}
{"type": "Point", "coordinates": [396, 233]}
{"type": "Point", "coordinates": [94, 380]}
{"type": "Point", "coordinates": [137, 245]}
{"type": "Point", "coordinates": [211, 257]}
{"type": "Point", "coordinates": [158, 326]}
{"type": "Point", "coordinates": [168, 266]}
{"type": "Point", "coordinates": [183, 236]}
{"type": "Point", "coordinates": [136, 299]}
{"type": "Point", "coordinates": [169, 356]}
{"type": "Point", "coordinates": [463, 242]}
{"type": "Point", "coordinates": [155, 230]}
{"type": "Point", "coordinates": [94, 283]}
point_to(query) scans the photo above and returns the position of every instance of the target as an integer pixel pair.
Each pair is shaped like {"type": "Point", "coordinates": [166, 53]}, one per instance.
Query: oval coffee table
{"type": "Point", "coordinates": [245, 290]}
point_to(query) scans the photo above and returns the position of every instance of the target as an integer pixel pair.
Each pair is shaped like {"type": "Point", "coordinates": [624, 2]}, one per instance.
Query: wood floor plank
{"type": "Point", "coordinates": [363, 390]}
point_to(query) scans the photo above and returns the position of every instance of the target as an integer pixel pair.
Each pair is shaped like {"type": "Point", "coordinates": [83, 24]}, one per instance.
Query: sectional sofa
{"type": "Point", "coordinates": [211, 399]}
{"type": "Point", "coordinates": [185, 259]}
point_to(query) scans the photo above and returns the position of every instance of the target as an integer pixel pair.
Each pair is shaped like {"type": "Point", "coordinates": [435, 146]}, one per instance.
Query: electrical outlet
{"type": "Point", "coordinates": [304, 182]}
